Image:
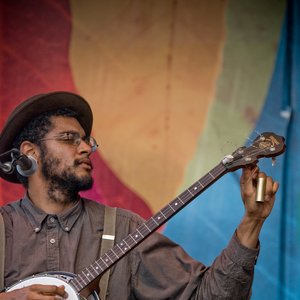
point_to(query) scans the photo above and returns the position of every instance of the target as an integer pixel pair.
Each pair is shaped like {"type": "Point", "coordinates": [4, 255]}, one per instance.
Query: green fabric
{"type": "Point", "coordinates": [252, 35]}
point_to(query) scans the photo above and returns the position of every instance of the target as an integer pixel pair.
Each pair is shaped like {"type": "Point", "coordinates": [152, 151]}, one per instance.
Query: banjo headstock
{"type": "Point", "coordinates": [267, 144]}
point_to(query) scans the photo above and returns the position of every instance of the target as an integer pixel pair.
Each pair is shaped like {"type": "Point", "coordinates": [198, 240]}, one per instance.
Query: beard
{"type": "Point", "coordinates": [64, 185]}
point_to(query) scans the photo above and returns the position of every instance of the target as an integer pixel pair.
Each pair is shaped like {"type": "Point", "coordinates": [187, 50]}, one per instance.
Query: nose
{"type": "Point", "coordinates": [84, 147]}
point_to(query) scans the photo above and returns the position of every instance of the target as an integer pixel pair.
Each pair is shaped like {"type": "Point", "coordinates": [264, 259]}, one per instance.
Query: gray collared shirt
{"type": "Point", "coordinates": [157, 269]}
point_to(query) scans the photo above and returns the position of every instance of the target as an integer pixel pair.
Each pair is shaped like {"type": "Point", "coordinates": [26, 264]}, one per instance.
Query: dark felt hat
{"type": "Point", "coordinates": [33, 107]}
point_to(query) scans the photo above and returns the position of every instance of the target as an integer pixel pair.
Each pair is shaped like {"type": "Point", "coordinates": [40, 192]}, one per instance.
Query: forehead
{"type": "Point", "coordinates": [63, 124]}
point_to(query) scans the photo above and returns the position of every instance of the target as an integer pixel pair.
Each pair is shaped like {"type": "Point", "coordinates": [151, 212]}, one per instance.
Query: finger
{"type": "Point", "coordinates": [271, 189]}
{"type": "Point", "coordinates": [49, 289]}
{"type": "Point", "coordinates": [247, 180]}
{"type": "Point", "coordinates": [62, 291]}
{"type": "Point", "coordinates": [248, 174]}
{"type": "Point", "coordinates": [275, 187]}
{"type": "Point", "coordinates": [271, 186]}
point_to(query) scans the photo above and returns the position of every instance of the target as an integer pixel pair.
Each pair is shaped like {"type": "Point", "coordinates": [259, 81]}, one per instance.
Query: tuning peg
{"type": "Point", "coordinates": [227, 159]}
{"type": "Point", "coordinates": [262, 138]}
{"type": "Point", "coordinates": [241, 150]}
{"type": "Point", "coordinates": [273, 161]}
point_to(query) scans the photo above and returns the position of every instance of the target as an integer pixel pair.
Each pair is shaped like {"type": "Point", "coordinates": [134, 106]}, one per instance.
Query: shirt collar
{"type": "Point", "coordinates": [36, 216]}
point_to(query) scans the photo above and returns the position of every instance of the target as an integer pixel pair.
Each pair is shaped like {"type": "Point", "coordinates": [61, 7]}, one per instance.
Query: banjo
{"type": "Point", "coordinates": [77, 286]}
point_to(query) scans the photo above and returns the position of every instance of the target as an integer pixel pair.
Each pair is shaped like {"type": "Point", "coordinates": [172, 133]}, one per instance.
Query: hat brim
{"type": "Point", "coordinates": [35, 106]}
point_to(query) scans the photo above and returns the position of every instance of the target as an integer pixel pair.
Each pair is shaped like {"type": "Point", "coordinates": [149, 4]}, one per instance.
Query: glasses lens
{"type": "Point", "coordinates": [92, 142]}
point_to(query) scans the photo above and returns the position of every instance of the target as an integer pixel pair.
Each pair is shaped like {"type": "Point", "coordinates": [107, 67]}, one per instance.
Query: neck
{"type": "Point", "coordinates": [50, 200]}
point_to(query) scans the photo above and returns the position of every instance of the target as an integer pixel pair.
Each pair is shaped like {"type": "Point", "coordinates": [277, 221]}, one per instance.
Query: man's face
{"type": "Point", "coordinates": [65, 166]}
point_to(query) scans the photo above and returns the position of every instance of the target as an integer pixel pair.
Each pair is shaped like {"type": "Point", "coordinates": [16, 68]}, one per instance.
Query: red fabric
{"type": "Point", "coordinates": [34, 58]}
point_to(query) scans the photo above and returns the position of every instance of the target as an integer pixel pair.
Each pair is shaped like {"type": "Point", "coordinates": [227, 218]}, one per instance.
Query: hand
{"type": "Point", "coordinates": [255, 212]}
{"type": "Point", "coordinates": [36, 292]}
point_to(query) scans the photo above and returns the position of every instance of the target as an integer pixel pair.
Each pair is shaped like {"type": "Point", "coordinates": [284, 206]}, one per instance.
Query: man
{"type": "Point", "coordinates": [53, 229]}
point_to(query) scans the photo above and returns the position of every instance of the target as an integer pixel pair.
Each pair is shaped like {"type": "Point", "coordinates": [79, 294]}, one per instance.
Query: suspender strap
{"type": "Point", "coordinates": [107, 243]}
{"type": "Point", "coordinates": [2, 252]}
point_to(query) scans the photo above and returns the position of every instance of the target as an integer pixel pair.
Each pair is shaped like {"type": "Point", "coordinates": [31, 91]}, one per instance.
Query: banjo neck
{"type": "Point", "coordinates": [267, 144]}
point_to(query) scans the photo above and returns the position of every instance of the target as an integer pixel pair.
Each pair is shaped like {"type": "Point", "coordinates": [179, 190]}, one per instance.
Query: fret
{"type": "Point", "coordinates": [106, 260]}
{"type": "Point", "coordinates": [152, 218]}
{"type": "Point", "coordinates": [98, 265]}
{"type": "Point", "coordinates": [152, 224]}
{"type": "Point", "coordinates": [175, 205]}
{"type": "Point", "coordinates": [180, 200]}
{"type": "Point", "coordinates": [76, 285]}
{"type": "Point", "coordinates": [145, 224]}
{"type": "Point", "coordinates": [158, 217]}
{"type": "Point", "coordinates": [195, 187]}
{"type": "Point", "coordinates": [112, 250]}
{"type": "Point", "coordinates": [163, 214]}
{"type": "Point", "coordinates": [95, 269]}
{"type": "Point", "coordinates": [80, 282]}
{"type": "Point", "coordinates": [184, 195]}
{"type": "Point", "coordinates": [122, 244]}
{"type": "Point", "coordinates": [104, 263]}
{"type": "Point", "coordinates": [190, 192]}
{"type": "Point", "coordinates": [91, 271]}
{"type": "Point", "coordinates": [132, 238]}
{"type": "Point", "coordinates": [142, 230]}
{"type": "Point", "coordinates": [136, 235]}
{"type": "Point", "coordinates": [118, 251]}
{"type": "Point", "coordinates": [171, 207]}
{"type": "Point", "coordinates": [200, 183]}
{"type": "Point", "coordinates": [211, 175]}
{"type": "Point", "coordinates": [81, 279]}
{"type": "Point", "coordinates": [130, 241]}
{"type": "Point", "coordinates": [121, 249]}
{"type": "Point", "coordinates": [107, 254]}
{"type": "Point", "coordinates": [87, 275]}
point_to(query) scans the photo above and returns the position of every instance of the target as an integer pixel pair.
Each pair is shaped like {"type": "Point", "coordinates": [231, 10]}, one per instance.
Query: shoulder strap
{"type": "Point", "coordinates": [2, 252]}
{"type": "Point", "coordinates": [107, 243]}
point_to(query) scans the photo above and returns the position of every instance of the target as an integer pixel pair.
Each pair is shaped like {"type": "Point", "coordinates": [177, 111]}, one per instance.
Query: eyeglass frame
{"type": "Point", "coordinates": [75, 141]}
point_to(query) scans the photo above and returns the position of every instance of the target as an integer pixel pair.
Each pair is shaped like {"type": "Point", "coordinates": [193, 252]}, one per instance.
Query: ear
{"type": "Point", "coordinates": [29, 149]}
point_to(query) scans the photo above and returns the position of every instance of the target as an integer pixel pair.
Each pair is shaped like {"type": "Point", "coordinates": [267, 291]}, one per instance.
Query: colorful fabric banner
{"type": "Point", "coordinates": [174, 86]}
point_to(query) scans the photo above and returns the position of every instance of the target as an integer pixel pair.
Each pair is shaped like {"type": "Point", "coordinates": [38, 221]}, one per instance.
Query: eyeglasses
{"type": "Point", "coordinates": [74, 138]}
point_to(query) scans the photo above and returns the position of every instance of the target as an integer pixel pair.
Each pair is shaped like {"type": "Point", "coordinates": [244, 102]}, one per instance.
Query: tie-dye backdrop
{"type": "Point", "coordinates": [174, 85]}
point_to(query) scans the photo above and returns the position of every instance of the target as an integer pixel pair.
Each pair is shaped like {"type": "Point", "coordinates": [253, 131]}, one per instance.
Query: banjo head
{"type": "Point", "coordinates": [53, 278]}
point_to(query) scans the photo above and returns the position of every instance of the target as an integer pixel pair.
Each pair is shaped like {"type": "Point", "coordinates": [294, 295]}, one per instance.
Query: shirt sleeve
{"type": "Point", "coordinates": [163, 270]}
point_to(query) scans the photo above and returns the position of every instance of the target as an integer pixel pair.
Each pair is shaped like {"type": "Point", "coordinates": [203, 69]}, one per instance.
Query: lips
{"type": "Point", "coordinates": [84, 162]}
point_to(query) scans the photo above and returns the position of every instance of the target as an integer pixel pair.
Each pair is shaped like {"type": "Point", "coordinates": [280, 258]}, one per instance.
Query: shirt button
{"type": "Point", "coordinates": [52, 220]}
{"type": "Point", "coordinates": [52, 241]}
{"type": "Point", "coordinates": [67, 228]}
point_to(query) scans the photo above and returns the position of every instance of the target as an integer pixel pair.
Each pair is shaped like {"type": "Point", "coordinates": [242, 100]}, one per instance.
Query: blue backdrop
{"type": "Point", "coordinates": [216, 213]}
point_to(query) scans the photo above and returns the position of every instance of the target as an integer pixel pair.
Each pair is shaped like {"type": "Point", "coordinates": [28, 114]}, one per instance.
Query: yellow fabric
{"type": "Point", "coordinates": [149, 71]}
